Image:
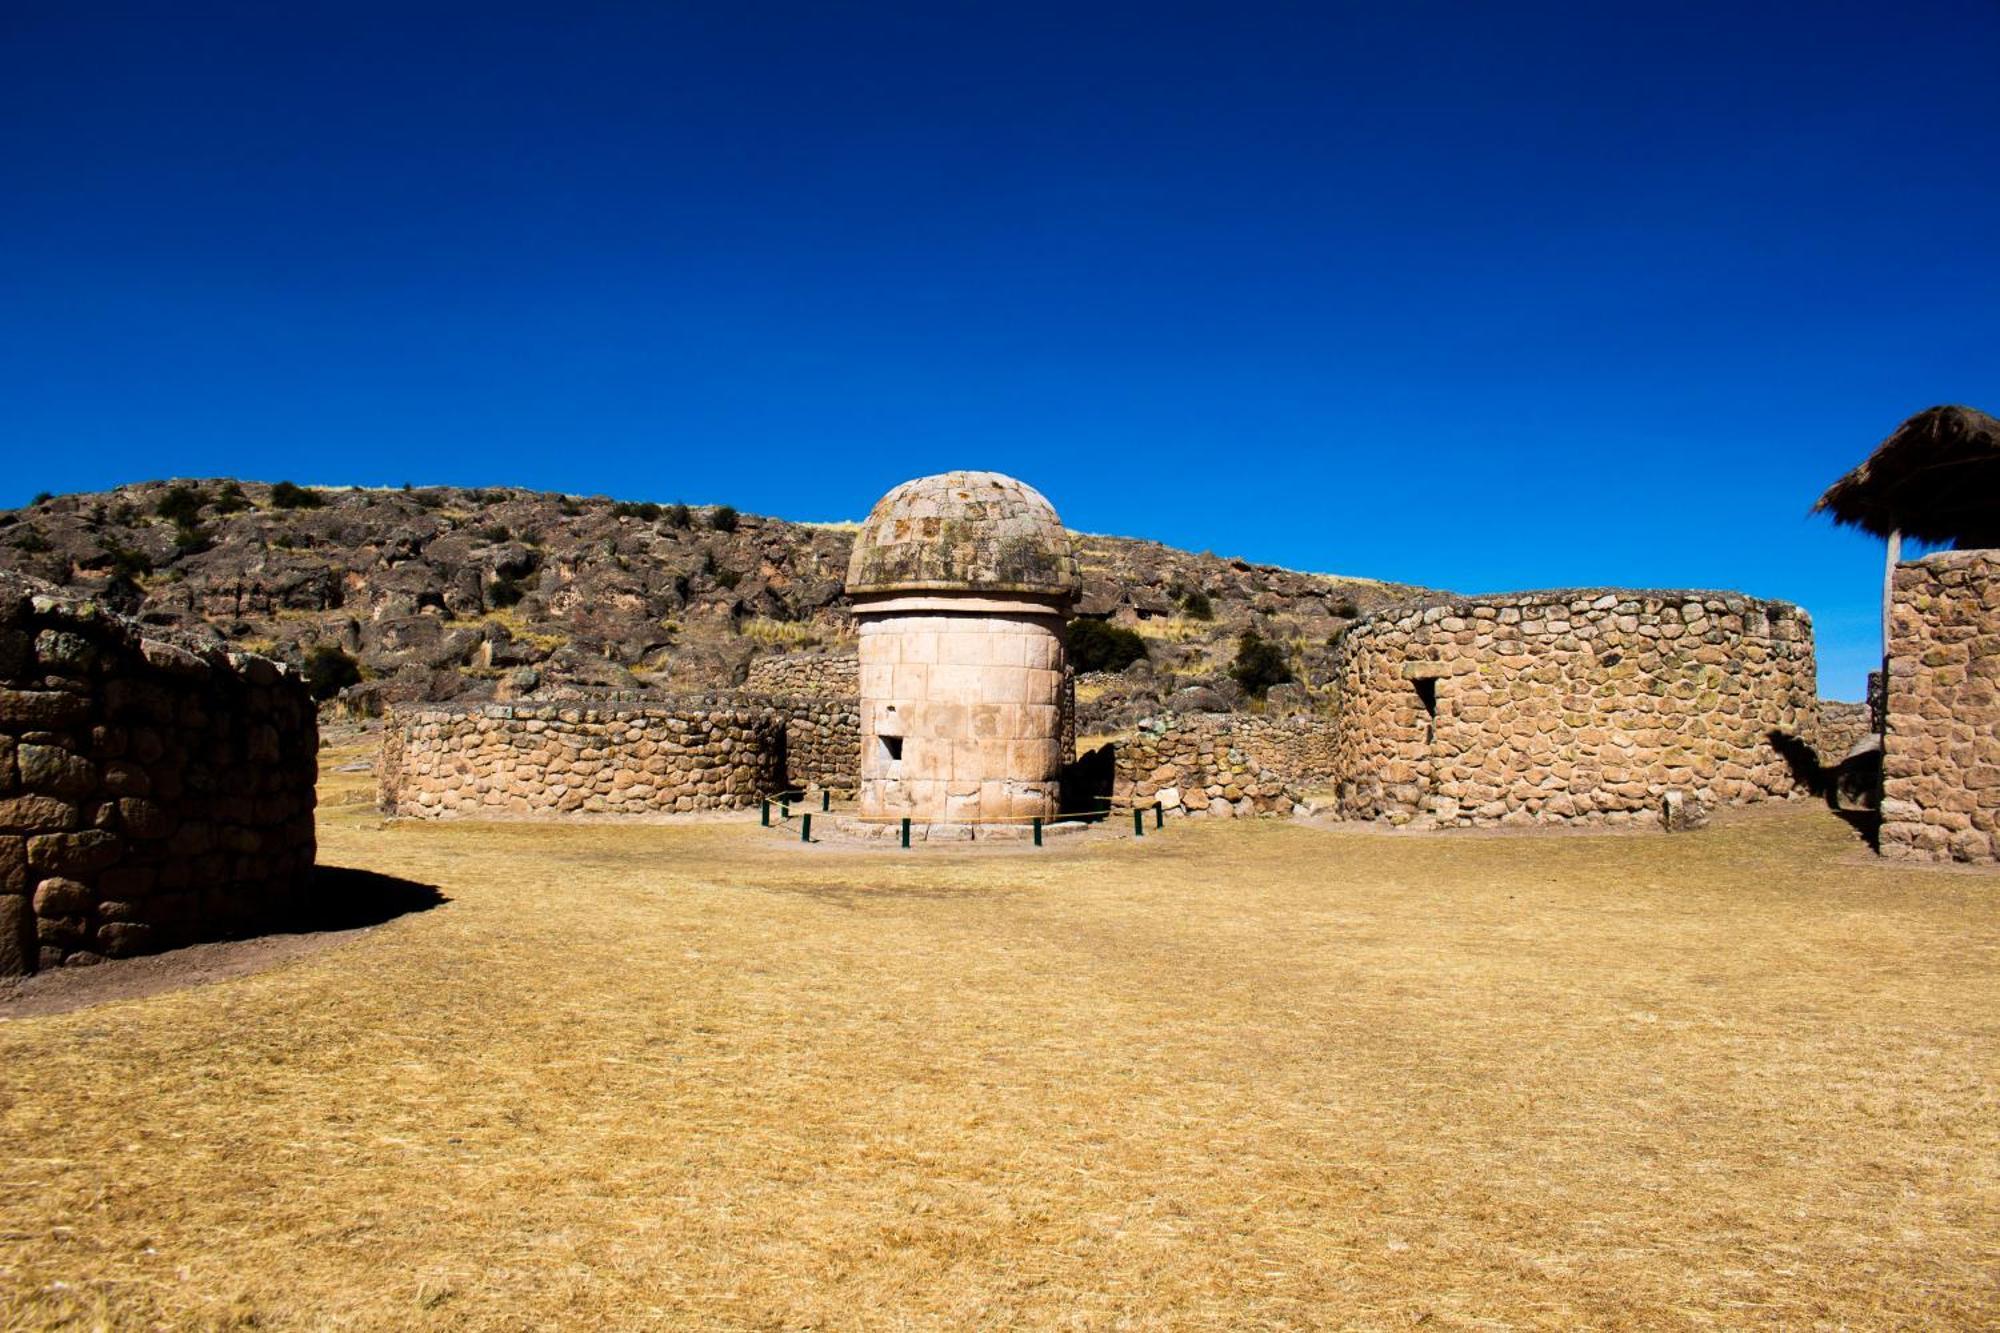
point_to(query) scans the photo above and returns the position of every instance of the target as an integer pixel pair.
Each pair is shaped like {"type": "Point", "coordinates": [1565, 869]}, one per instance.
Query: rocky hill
{"type": "Point", "coordinates": [440, 592]}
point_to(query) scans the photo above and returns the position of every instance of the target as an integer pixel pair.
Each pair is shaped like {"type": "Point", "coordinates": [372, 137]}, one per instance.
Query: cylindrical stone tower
{"type": "Point", "coordinates": [961, 584]}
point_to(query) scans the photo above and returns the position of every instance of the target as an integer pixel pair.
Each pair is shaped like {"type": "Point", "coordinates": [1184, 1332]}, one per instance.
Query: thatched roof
{"type": "Point", "coordinates": [1937, 479]}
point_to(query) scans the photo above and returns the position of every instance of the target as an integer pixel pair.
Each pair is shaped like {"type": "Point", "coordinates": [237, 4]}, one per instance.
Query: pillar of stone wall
{"type": "Point", "coordinates": [152, 794]}
{"type": "Point", "coordinates": [1941, 753]}
{"type": "Point", "coordinates": [1549, 706]}
{"type": "Point", "coordinates": [961, 714]}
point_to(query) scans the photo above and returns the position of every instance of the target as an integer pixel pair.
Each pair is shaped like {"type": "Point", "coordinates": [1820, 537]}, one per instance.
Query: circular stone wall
{"type": "Point", "coordinates": [152, 793]}
{"type": "Point", "coordinates": [1549, 706]}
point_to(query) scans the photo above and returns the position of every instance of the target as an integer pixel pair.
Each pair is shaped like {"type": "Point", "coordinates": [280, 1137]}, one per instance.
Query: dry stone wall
{"type": "Point", "coordinates": [837, 675]}
{"type": "Point", "coordinates": [1840, 726]}
{"type": "Point", "coordinates": [1550, 706]}
{"type": "Point", "coordinates": [151, 794]}
{"type": "Point", "coordinates": [711, 752]}
{"type": "Point", "coordinates": [1197, 763]}
{"type": "Point", "coordinates": [1941, 753]}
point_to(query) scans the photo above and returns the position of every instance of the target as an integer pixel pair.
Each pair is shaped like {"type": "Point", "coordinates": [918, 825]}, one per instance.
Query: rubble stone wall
{"type": "Point", "coordinates": [805, 673]}
{"type": "Point", "coordinates": [1839, 726]}
{"type": "Point", "coordinates": [1941, 754]}
{"type": "Point", "coordinates": [1199, 764]}
{"type": "Point", "coordinates": [1305, 748]}
{"type": "Point", "coordinates": [579, 758]}
{"type": "Point", "coordinates": [151, 795]}
{"type": "Point", "coordinates": [706, 752]}
{"type": "Point", "coordinates": [822, 740]}
{"type": "Point", "coordinates": [1550, 706]}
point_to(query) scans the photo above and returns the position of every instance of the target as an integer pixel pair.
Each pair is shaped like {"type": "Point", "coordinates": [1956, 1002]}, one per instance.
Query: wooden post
{"type": "Point", "coordinates": [1889, 596]}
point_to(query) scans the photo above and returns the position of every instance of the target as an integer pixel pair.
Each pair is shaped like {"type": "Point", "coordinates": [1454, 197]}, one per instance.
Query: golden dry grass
{"type": "Point", "coordinates": [1237, 1076]}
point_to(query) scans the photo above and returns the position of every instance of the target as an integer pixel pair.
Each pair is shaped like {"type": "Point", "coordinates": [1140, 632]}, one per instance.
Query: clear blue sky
{"type": "Point", "coordinates": [1481, 296]}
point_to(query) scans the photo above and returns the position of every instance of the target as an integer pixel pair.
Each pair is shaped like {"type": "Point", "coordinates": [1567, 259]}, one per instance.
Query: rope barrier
{"type": "Point", "coordinates": [1091, 815]}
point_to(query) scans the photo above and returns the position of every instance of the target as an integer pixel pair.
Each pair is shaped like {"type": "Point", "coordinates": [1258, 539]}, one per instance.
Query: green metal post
{"type": "Point", "coordinates": [1138, 821]}
{"type": "Point", "coordinates": [785, 807]}
{"type": "Point", "coordinates": [766, 815]}
{"type": "Point", "coordinates": [906, 833]}
{"type": "Point", "coordinates": [806, 827]}
{"type": "Point", "coordinates": [1038, 830]}
{"type": "Point", "coordinates": [1159, 815]}
{"type": "Point", "coordinates": [825, 799]}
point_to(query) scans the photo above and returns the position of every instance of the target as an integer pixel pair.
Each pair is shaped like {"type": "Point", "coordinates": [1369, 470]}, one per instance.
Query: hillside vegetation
{"type": "Point", "coordinates": [443, 592]}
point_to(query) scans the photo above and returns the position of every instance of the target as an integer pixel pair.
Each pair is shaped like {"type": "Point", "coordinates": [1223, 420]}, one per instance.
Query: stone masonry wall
{"type": "Point", "coordinates": [151, 794]}
{"type": "Point", "coordinates": [1941, 754]}
{"type": "Point", "coordinates": [1197, 763]}
{"type": "Point", "coordinates": [1303, 749]}
{"type": "Point", "coordinates": [1839, 725]}
{"type": "Point", "coordinates": [704, 752]}
{"type": "Point", "coordinates": [822, 739]}
{"type": "Point", "coordinates": [1539, 707]}
{"type": "Point", "coordinates": [578, 758]}
{"type": "Point", "coordinates": [805, 673]}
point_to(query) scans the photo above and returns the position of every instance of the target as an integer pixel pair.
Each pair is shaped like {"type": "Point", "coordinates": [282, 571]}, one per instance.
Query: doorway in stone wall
{"type": "Point", "coordinates": [1424, 679]}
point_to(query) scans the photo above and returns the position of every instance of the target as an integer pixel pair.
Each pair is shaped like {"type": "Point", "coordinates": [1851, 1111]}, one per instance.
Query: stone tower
{"type": "Point", "coordinates": [961, 584]}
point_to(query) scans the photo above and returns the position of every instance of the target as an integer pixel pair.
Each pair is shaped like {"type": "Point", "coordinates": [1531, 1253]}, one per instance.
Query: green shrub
{"type": "Point", "coordinates": [727, 578]}
{"type": "Point", "coordinates": [496, 534]}
{"type": "Point", "coordinates": [646, 510]}
{"type": "Point", "coordinates": [679, 516]}
{"type": "Point", "coordinates": [505, 592]}
{"type": "Point", "coordinates": [128, 563]}
{"type": "Point", "coordinates": [181, 504]}
{"type": "Point", "coordinates": [287, 496]}
{"type": "Point", "coordinates": [192, 539]}
{"type": "Point", "coordinates": [1259, 664]}
{"type": "Point", "coordinates": [41, 498]}
{"type": "Point", "coordinates": [1196, 606]}
{"type": "Point", "coordinates": [33, 542]}
{"type": "Point", "coordinates": [722, 518]}
{"type": "Point", "coordinates": [231, 499]}
{"type": "Point", "coordinates": [1097, 645]}
{"type": "Point", "coordinates": [329, 670]}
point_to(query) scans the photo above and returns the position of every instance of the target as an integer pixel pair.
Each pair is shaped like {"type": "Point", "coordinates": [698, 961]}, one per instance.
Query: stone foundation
{"type": "Point", "coordinates": [1941, 753]}
{"type": "Point", "coordinates": [151, 795]}
{"type": "Point", "coordinates": [1542, 707]}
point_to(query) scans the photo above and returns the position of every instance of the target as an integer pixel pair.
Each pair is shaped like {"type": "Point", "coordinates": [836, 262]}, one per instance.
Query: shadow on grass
{"type": "Point", "coordinates": [340, 898]}
{"type": "Point", "coordinates": [1851, 789]}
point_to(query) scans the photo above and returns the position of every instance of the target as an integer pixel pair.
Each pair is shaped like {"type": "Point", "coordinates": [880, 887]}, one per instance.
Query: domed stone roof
{"type": "Point", "coordinates": [963, 532]}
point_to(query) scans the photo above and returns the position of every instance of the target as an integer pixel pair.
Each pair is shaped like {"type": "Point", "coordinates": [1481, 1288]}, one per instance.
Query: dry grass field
{"type": "Point", "coordinates": [1236, 1076]}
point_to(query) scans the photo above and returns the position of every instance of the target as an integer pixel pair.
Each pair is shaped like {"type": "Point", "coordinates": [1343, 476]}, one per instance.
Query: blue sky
{"type": "Point", "coordinates": [1480, 297]}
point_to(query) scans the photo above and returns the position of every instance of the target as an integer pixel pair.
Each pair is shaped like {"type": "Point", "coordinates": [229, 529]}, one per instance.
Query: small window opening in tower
{"type": "Point", "coordinates": [1427, 694]}
{"type": "Point", "coordinates": [892, 748]}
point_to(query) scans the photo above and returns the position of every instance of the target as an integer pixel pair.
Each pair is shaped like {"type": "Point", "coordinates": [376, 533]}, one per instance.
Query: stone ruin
{"type": "Point", "coordinates": [1941, 748]}
{"type": "Point", "coordinates": [1599, 705]}
{"type": "Point", "coordinates": [1551, 706]}
{"type": "Point", "coordinates": [961, 584]}
{"type": "Point", "coordinates": [152, 793]}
